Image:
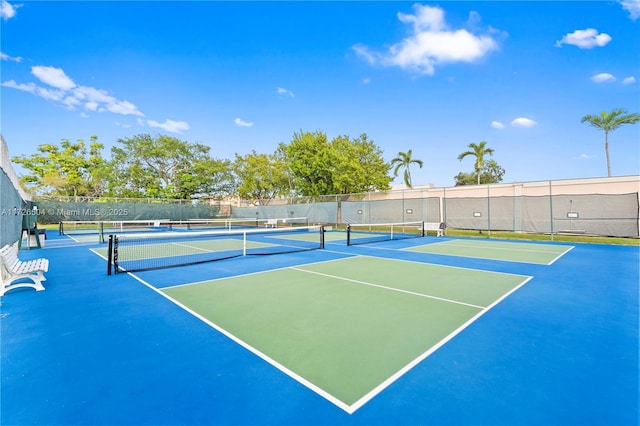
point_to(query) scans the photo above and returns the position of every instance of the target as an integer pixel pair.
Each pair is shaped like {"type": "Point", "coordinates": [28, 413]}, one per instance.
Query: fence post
{"type": "Point", "coordinates": [550, 211]}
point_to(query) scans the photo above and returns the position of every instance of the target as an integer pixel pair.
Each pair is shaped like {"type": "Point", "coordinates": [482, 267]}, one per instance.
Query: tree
{"type": "Point", "coordinates": [492, 172]}
{"type": "Point", "coordinates": [320, 167]}
{"type": "Point", "coordinates": [358, 166]}
{"type": "Point", "coordinates": [207, 177]}
{"type": "Point", "coordinates": [404, 160]}
{"type": "Point", "coordinates": [307, 157]}
{"type": "Point", "coordinates": [65, 170]}
{"type": "Point", "coordinates": [261, 177]}
{"type": "Point", "coordinates": [166, 167]}
{"type": "Point", "coordinates": [479, 151]}
{"type": "Point", "coordinates": [608, 122]}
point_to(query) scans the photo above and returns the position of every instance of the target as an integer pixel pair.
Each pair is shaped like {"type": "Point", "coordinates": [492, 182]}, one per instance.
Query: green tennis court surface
{"type": "Point", "coordinates": [544, 254]}
{"type": "Point", "coordinates": [346, 328]}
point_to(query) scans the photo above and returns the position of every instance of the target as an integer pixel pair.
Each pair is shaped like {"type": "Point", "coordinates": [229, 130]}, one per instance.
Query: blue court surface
{"type": "Point", "coordinates": [423, 331]}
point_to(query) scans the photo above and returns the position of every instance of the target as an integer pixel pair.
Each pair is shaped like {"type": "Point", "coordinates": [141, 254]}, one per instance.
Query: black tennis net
{"type": "Point", "coordinates": [148, 251]}
{"type": "Point", "coordinates": [377, 232]}
{"type": "Point", "coordinates": [103, 228]}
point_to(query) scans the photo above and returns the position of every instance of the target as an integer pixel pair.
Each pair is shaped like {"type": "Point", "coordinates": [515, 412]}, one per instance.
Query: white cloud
{"type": "Point", "coordinates": [366, 54]}
{"type": "Point", "coordinates": [497, 125]}
{"type": "Point", "coordinates": [431, 43]}
{"type": "Point", "coordinates": [585, 39]}
{"type": "Point", "coordinates": [474, 19]}
{"type": "Point", "coordinates": [5, 57]}
{"type": "Point", "coordinates": [523, 122]}
{"type": "Point", "coordinates": [170, 125]}
{"type": "Point", "coordinates": [123, 107]}
{"type": "Point", "coordinates": [54, 77]}
{"type": "Point", "coordinates": [91, 106]}
{"type": "Point", "coordinates": [93, 95]}
{"type": "Point", "coordinates": [633, 7]}
{"type": "Point", "coordinates": [70, 102]}
{"type": "Point", "coordinates": [48, 94]}
{"type": "Point", "coordinates": [7, 10]}
{"type": "Point", "coordinates": [65, 92]}
{"type": "Point", "coordinates": [30, 87]}
{"type": "Point", "coordinates": [283, 91]}
{"type": "Point", "coordinates": [585, 157]}
{"type": "Point", "coordinates": [366, 80]}
{"type": "Point", "coordinates": [604, 77]}
{"type": "Point", "coordinates": [426, 18]}
{"type": "Point", "coordinates": [629, 80]}
{"type": "Point", "coordinates": [100, 100]}
{"type": "Point", "coordinates": [239, 122]}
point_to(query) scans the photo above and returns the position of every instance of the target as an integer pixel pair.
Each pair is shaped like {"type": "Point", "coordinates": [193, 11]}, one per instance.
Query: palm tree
{"type": "Point", "coordinates": [608, 122]}
{"type": "Point", "coordinates": [478, 151]}
{"type": "Point", "coordinates": [404, 160]}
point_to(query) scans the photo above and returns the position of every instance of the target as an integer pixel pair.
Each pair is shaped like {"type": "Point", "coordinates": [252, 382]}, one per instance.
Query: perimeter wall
{"type": "Point", "coordinates": [14, 202]}
{"type": "Point", "coordinates": [593, 206]}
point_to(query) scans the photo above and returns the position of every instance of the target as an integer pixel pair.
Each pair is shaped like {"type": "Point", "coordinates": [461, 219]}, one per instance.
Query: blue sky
{"type": "Point", "coordinates": [241, 76]}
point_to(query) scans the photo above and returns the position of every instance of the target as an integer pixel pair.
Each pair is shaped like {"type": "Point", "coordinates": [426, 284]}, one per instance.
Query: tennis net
{"type": "Point", "coordinates": [147, 251]}
{"type": "Point", "coordinates": [377, 232]}
{"type": "Point", "coordinates": [103, 228]}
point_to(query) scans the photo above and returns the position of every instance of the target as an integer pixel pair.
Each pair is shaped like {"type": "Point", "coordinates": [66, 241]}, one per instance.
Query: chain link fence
{"type": "Point", "coordinates": [595, 206]}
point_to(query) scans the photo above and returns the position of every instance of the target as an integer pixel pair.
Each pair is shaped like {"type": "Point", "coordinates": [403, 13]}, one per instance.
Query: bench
{"type": "Point", "coordinates": [271, 223]}
{"type": "Point", "coordinates": [434, 226]}
{"type": "Point", "coordinates": [14, 272]}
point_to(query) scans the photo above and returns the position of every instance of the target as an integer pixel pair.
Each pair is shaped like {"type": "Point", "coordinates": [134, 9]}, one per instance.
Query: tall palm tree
{"type": "Point", "coordinates": [608, 122]}
{"type": "Point", "coordinates": [404, 160]}
{"type": "Point", "coordinates": [478, 150]}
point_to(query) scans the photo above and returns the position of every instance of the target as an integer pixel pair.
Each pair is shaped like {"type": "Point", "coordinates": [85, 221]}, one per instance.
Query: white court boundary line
{"type": "Point", "coordinates": [452, 243]}
{"type": "Point", "coordinates": [399, 290]}
{"type": "Point", "coordinates": [250, 348]}
{"type": "Point", "coordinates": [382, 386]}
{"type": "Point", "coordinates": [350, 409]}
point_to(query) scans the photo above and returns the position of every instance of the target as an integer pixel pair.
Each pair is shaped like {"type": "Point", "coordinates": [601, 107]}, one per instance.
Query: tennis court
{"type": "Point", "coordinates": [543, 254]}
{"type": "Point", "coordinates": [409, 331]}
{"type": "Point", "coordinates": [346, 328]}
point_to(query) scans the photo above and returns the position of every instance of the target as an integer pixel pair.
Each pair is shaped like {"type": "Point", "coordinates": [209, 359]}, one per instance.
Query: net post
{"type": "Point", "coordinates": [322, 236]}
{"type": "Point", "coordinates": [244, 243]}
{"type": "Point", "coordinates": [422, 231]}
{"type": "Point", "coordinates": [109, 254]}
{"type": "Point", "coordinates": [115, 253]}
{"type": "Point", "coordinates": [101, 232]}
{"type": "Point", "coordinates": [349, 234]}
{"type": "Point", "coordinates": [61, 228]}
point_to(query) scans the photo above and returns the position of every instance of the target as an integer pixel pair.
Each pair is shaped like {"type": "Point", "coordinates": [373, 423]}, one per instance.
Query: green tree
{"type": "Point", "coordinates": [308, 159]}
{"type": "Point", "coordinates": [359, 165]}
{"type": "Point", "coordinates": [65, 170]}
{"type": "Point", "coordinates": [608, 122]}
{"type": "Point", "coordinates": [404, 160]}
{"type": "Point", "coordinates": [491, 172]}
{"type": "Point", "coordinates": [166, 167]}
{"type": "Point", "coordinates": [478, 150]}
{"type": "Point", "coordinates": [261, 177]}
{"type": "Point", "coordinates": [320, 167]}
{"type": "Point", "coordinates": [98, 169]}
{"type": "Point", "coordinates": [207, 176]}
